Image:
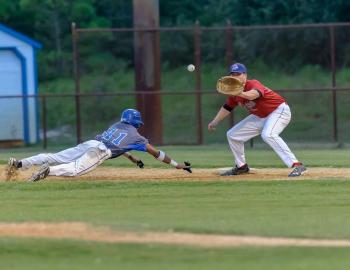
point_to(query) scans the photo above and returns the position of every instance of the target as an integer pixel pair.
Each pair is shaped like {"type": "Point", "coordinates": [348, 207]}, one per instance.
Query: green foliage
{"type": "Point", "coordinates": [250, 12]}
{"type": "Point", "coordinates": [83, 12]}
{"type": "Point", "coordinates": [7, 8]}
{"type": "Point", "coordinates": [49, 22]}
{"type": "Point", "coordinates": [293, 58]}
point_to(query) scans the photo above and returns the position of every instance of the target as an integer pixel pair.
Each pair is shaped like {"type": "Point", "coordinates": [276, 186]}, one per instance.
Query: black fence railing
{"type": "Point", "coordinates": [319, 123]}
{"type": "Point", "coordinates": [233, 42]}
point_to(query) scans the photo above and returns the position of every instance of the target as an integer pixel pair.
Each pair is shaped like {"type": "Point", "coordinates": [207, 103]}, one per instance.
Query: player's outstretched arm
{"type": "Point", "coordinates": [161, 156]}
{"type": "Point", "coordinates": [250, 95]}
{"type": "Point", "coordinates": [133, 159]}
{"type": "Point", "coordinates": [222, 113]}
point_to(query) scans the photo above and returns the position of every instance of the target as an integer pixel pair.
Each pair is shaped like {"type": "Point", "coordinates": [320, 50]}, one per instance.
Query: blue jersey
{"type": "Point", "coordinates": [122, 137]}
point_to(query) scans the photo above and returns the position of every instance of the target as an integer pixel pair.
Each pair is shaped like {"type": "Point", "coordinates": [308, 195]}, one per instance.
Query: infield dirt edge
{"type": "Point", "coordinates": [86, 232]}
{"type": "Point", "coordinates": [169, 174]}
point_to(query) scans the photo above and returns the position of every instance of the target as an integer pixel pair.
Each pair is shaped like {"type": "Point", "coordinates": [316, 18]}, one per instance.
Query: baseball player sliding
{"type": "Point", "coordinates": [269, 116]}
{"type": "Point", "coordinates": [117, 140]}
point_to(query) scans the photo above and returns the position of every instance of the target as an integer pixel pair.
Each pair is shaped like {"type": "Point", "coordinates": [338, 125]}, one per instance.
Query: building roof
{"type": "Point", "coordinates": [21, 37]}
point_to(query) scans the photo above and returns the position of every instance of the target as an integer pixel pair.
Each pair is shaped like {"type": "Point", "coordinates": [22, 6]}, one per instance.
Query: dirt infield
{"type": "Point", "coordinates": [122, 174]}
{"type": "Point", "coordinates": [86, 232]}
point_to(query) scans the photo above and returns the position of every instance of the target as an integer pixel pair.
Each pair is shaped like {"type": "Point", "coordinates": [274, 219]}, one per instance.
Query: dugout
{"type": "Point", "coordinates": [19, 118]}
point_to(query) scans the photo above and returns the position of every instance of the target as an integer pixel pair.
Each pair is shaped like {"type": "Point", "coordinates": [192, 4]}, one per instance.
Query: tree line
{"type": "Point", "coordinates": [49, 22]}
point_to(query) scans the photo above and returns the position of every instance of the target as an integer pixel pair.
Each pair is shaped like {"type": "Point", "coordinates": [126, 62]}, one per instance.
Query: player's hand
{"type": "Point", "coordinates": [186, 166]}
{"type": "Point", "coordinates": [212, 125]}
{"type": "Point", "coordinates": [140, 164]}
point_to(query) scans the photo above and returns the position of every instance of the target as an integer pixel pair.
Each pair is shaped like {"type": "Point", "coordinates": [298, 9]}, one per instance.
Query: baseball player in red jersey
{"type": "Point", "coordinates": [269, 116]}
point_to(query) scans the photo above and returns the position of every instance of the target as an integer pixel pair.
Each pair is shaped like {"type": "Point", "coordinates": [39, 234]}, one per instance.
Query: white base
{"type": "Point", "coordinates": [221, 170]}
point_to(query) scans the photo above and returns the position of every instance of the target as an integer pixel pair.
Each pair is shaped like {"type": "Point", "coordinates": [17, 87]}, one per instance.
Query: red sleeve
{"type": "Point", "coordinates": [230, 103]}
{"type": "Point", "coordinates": [255, 84]}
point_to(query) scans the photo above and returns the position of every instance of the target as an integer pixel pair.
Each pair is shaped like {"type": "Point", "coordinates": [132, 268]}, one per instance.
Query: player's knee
{"type": "Point", "coordinates": [43, 158]}
{"type": "Point", "coordinates": [231, 136]}
{"type": "Point", "coordinates": [267, 137]}
{"type": "Point", "coordinates": [74, 172]}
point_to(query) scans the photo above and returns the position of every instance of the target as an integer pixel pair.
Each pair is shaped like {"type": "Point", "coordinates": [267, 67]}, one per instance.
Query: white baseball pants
{"type": "Point", "coordinates": [269, 127]}
{"type": "Point", "coordinates": [73, 161]}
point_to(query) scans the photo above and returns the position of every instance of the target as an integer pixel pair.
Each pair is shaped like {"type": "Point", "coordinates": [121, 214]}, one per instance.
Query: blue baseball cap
{"type": "Point", "coordinates": [238, 67]}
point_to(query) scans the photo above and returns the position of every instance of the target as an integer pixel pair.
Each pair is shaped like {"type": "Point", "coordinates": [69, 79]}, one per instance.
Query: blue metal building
{"type": "Point", "coordinates": [19, 117]}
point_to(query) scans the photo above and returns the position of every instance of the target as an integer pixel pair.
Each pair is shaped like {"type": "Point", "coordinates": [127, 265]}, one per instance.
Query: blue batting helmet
{"type": "Point", "coordinates": [132, 117]}
{"type": "Point", "coordinates": [238, 68]}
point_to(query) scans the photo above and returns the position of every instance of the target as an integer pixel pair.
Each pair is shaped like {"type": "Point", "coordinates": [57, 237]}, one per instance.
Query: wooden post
{"type": "Point", "coordinates": [147, 68]}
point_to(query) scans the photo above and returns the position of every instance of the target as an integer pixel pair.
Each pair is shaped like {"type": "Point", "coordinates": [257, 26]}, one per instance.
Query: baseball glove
{"type": "Point", "coordinates": [229, 85]}
{"type": "Point", "coordinates": [188, 167]}
{"type": "Point", "coordinates": [140, 164]}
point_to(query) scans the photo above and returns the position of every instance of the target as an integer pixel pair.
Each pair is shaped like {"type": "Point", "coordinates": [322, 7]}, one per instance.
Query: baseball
{"type": "Point", "coordinates": [191, 68]}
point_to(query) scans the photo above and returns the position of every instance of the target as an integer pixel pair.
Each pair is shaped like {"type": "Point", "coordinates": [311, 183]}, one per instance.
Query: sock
{"type": "Point", "coordinates": [296, 164]}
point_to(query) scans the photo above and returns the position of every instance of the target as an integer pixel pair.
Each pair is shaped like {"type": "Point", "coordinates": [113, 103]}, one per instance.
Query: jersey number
{"type": "Point", "coordinates": [107, 135]}
{"type": "Point", "coordinates": [119, 139]}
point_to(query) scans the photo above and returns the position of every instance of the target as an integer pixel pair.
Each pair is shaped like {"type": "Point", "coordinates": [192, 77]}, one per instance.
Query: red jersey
{"type": "Point", "coordinates": [265, 104]}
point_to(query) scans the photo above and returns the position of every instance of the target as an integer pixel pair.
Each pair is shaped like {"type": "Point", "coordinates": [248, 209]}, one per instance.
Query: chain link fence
{"type": "Point", "coordinates": [307, 64]}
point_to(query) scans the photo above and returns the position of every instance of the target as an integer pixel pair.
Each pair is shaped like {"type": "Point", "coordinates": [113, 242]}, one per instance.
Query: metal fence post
{"type": "Point", "coordinates": [229, 43]}
{"type": "Point", "coordinates": [229, 58]}
{"type": "Point", "coordinates": [44, 111]}
{"type": "Point", "coordinates": [197, 56]}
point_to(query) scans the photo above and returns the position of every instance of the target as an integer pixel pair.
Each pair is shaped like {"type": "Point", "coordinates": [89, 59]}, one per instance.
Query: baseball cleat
{"type": "Point", "coordinates": [298, 171]}
{"type": "Point", "coordinates": [42, 173]}
{"type": "Point", "coordinates": [12, 167]}
{"type": "Point", "coordinates": [12, 162]}
{"type": "Point", "coordinates": [236, 170]}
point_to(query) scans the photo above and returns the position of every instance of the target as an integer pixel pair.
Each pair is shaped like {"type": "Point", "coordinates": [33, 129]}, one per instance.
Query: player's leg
{"type": "Point", "coordinates": [93, 157]}
{"type": "Point", "coordinates": [62, 157]}
{"type": "Point", "coordinates": [65, 156]}
{"type": "Point", "coordinates": [275, 123]}
{"type": "Point", "coordinates": [243, 131]}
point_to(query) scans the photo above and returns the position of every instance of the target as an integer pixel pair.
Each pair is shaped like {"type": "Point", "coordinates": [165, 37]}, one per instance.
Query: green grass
{"type": "Point", "coordinates": [45, 254]}
{"type": "Point", "coordinates": [287, 208]}
{"type": "Point", "coordinates": [314, 209]}
{"type": "Point", "coordinates": [301, 209]}
{"type": "Point", "coordinates": [214, 156]}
